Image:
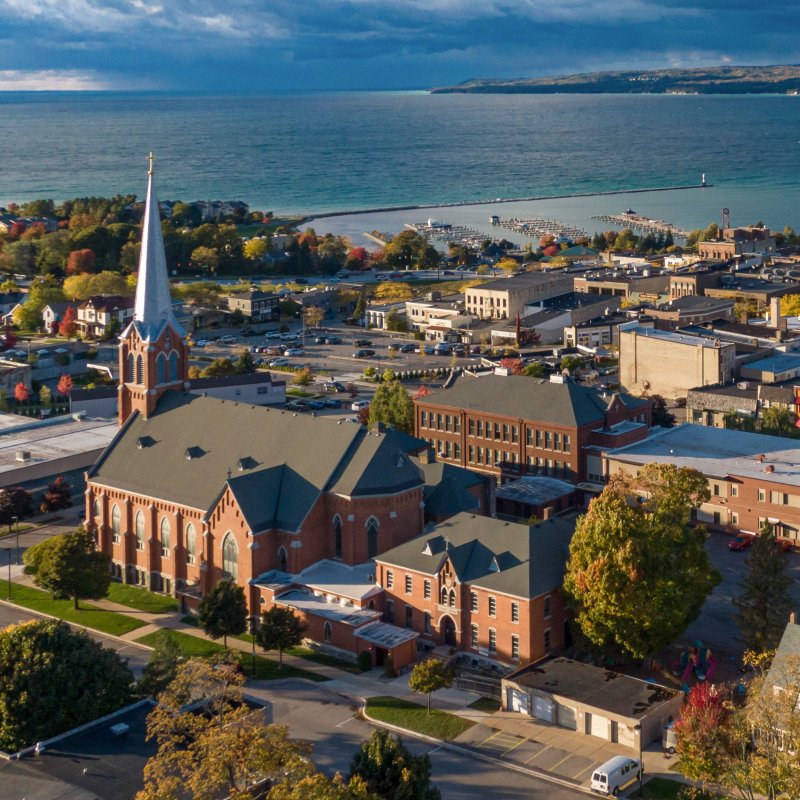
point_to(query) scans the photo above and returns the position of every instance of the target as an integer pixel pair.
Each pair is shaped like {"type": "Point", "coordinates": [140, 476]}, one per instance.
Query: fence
{"type": "Point", "coordinates": [487, 687]}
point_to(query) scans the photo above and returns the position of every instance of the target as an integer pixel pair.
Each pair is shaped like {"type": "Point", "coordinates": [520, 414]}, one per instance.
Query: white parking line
{"type": "Point", "coordinates": [344, 722]}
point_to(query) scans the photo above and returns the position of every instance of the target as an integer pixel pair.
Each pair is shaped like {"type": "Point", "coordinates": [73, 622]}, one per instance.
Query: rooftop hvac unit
{"type": "Point", "coordinates": [23, 455]}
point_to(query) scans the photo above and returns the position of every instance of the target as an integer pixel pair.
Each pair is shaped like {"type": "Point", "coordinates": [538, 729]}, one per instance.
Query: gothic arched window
{"type": "Point", "coordinates": [139, 369]}
{"type": "Point", "coordinates": [230, 557]}
{"type": "Point", "coordinates": [372, 538]}
{"type": "Point", "coordinates": [131, 368]}
{"type": "Point", "coordinates": [337, 536]}
{"type": "Point", "coordinates": [173, 366]}
{"type": "Point", "coordinates": [191, 544]}
{"type": "Point", "coordinates": [283, 561]}
{"type": "Point", "coordinates": [139, 530]}
{"type": "Point", "coordinates": [115, 520]}
{"type": "Point", "coordinates": [161, 368]}
{"type": "Point", "coordinates": [165, 532]}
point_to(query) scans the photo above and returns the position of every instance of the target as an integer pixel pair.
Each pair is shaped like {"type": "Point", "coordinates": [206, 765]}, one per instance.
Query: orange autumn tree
{"type": "Point", "coordinates": [68, 326]}
{"type": "Point", "coordinates": [64, 386]}
{"type": "Point", "coordinates": [21, 392]}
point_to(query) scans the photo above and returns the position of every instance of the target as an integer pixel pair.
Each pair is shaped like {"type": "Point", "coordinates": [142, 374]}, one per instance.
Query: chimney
{"type": "Point", "coordinates": [547, 512]}
{"type": "Point", "coordinates": [792, 618]}
{"type": "Point", "coordinates": [427, 456]}
{"type": "Point", "coordinates": [775, 319]}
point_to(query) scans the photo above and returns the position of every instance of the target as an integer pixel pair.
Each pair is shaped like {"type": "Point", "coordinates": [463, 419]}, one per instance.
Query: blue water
{"type": "Point", "coordinates": [315, 153]}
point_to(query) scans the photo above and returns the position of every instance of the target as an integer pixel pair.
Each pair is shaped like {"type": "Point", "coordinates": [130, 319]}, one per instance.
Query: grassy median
{"type": "Point", "coordinates": [414, 717]}
{"type": "Point", "coordinates": [88, 615]}
{"type": "Point", "coordinates": [265, 668]}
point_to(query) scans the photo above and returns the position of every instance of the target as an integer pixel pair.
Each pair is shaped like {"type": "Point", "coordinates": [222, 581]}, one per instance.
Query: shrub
{"type": "Point", "coordinates": [364, 661]}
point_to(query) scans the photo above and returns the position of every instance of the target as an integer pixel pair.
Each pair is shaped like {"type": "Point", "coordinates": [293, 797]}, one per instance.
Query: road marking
{"type": "Point", "coordinates": [553, 766]}
{"type": "Point", "coordinates": [344, 722]}
{"type": "Point", "coordinates": [489, 739]}
{"type": "Point", "coordinates": [521, 741]}
{"type": "Point", "coordinates": [536, 755]}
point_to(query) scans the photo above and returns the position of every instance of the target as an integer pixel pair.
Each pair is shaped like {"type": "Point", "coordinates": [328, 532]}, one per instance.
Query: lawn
{"type": "Point", "coordinates": [415, 717]}
{"type": "Point", "coordinates": [323, 658]}
{"type": "Point", "coordinates": [486, 704]}
{"type": "Point", "coordinates": [266, 668]}
{"type": "Point", "coordinates": [665, 789]}
{"type": "Point", "coordinates": [141, 599]}
{"type": "Point", "coordinates": [88, 615]}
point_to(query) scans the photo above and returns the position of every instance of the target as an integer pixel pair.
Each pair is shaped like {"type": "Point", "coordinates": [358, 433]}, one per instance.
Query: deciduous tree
{"type": "Point", "coordinates": [660, 414]}
{"type": "Point", "coordinates": [390, 770]}
{"type": "Point", "coordinates": [638, 571]}
{"type": "Point", "coordinates": [57, 496]}
{"type": "Point", "coordinates": [255, 249]}
{"type": "Point", "coordinates": [429, 676]}
{"type": "Point", "coordinates": [162, 666]}
{"type": "Point", "coordinates": [21, 392]}
{"type": "Point", "coordinates": [53, 679]}
{"type": "Point", "coordinates": [64, 386]}
{"type": "Point", "coordinates": [68, 326]}
{"type": "Point", "coordinates": [223, 611]}
{"type": "Point", "coordinates": [14, 502]}
{"type": "Point", "coordinates": [79, 261]}
{"type": "Point", "coordinates": [317, 786]}
{"type": "Point", "coordinates": [393, 406]}
{"type": "Point", "coordinates": [219, 748]}
{"type": "Point", "coordinates": [70, 566]}
{"type": "Point", "coordinates": [280, 629]}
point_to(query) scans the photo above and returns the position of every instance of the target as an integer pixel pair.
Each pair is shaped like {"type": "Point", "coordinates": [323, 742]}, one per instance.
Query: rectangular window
{"type": "Point", "coordinates": [762, 495]}
{"type": "Point", "coordinates": [515, 434]}
{"type": "Point", "coordinates": [471, 427]}
{"type": "Point", "coordinates": [457, 424]}
{"type": "Point", "coordinates": [556, 441]}
{"type": "Point", "coordinates": [547, 639]}
{"type": "Point", "coordinates": [457, 451]}
{"type": "Point", "coordinates": [716, 490]}
{"type": "Point", "coordinates": [423, 419]}
{"type": "Point", "coordinates": [567, 443]}
{"type": "Point", "coordinates": [471, 454]}
{"type": "Point", "coordinates": [427, 622]}
{"type": "Point", "coordinates": [473, 601]}
{"type": "Point", "coordinates": [389, 579]}
{"type": "Point", "coordinates": [734, 490]}
{"type": "Point", "coordinates": [497, 431]}
{"type": "Point", "coordinates": [409, 617]}
{"type": "Point", "coordinates": [538, 438]}
{"type": "Point", "coordinates": [505, 433]}
{"type": "Point", "coordinates": [480, 455]}
{"type": "Point", "coordinates": [492, 607]}
{"type": "Point", "coordinates": [548, 440]}
{"type": "Point", "coordinates": [515, 648]}
{"type": "Point", "coordinates": [734, 519]}
{"type": "Point", "coordinates": [547, 607]}
{"type": "Point", "coordinates": [427, 589]}
{"type": "Point", "coordinates": [515, 612]}
{"type": "Point", "coordinates": [408, 584]}
{"type": "Point", "coordinates": [492, 640]}
{"type": "Point", "coordinates": [529, 436]}
{"type": "Point", "coordinates": [473, 636]}
{"type": "Point", "coordinates": [439, 420]}
{"type": "Point", "coordinates": [480, 427]}
{"type": "Point", "coordinates": [448, 421]}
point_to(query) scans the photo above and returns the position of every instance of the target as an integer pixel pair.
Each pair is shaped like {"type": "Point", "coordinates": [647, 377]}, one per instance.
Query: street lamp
{"type": "Point", "coordinates": [638, 729]}
{"type": "Point", "coordinates": [15, 520]}
{"type": "Point", "coordinates": [8, 552]}
{"type": "Point", "coordinates": [253, 624]}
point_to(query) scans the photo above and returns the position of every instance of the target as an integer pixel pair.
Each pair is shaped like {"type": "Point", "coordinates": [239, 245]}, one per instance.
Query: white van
{"type": "Point", "coordinates": [615, 774]}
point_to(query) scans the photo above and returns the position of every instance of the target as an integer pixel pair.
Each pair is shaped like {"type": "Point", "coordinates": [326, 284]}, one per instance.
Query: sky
{"type": "Point", "coordinates": [272, 46]}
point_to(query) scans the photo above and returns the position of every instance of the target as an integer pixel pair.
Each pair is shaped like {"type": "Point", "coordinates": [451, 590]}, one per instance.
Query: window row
{"type": "Point", "coordinates": [164, 366]}
{"type": "Point", "coordinates": [548, 440]}
{"type": "Point", "coordinates": [440, 422]}
{"type": "Point", "coordinates": [490, 457]}
{"type": "Point", "coordinates": [445, 448]}
{"type": "Point", "coordinates": [498, 431]}
{"type": "Point", "coordinates": [475, 641]}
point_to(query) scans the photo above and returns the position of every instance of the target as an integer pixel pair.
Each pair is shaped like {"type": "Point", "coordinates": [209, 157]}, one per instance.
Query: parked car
{"type": "Point", "coordinates": [359, 404]}
{"type": "Point", "coordinates": [297, 405]}
{"type": "Point", "coordinates": [443, 349]}
{"type": "Point", "coordinates": [294, 351]}
{"type": "Point", "coordinates": [333, 386]}
{"type": "Point", "coordinates": [315, 404]}
{"type": "Point", "coordinates": [408, 348]}
{"type": "Point", "coordinates": [333, 340]}
{"type": "Point", "coordinates": [320, 339]}
{"type": "Point", "coordinates": [429, 349]}
{"type": "Point", "coordinates": [363, 342]}
{"type": "Point", "coordinates": [363, 353]}
{"type": "Point", "coordinates": [459, 349]}
{"type": "Point", "coordinates": [393, 347]}
{"type": "Point", "coordinates": [332, 402]}
{"type": "Point", "coordinates": [615, 774]}
{"type": "Point", "coordinates": [279, 362]}
{"type": "Point", "coordinates": [740, 543]}
{"type": "Point", "coordinates": [228, 339]}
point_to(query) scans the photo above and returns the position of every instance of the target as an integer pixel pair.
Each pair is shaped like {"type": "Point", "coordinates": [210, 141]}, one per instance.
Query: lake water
{"type": "Point", "coordinates": [318, 153]}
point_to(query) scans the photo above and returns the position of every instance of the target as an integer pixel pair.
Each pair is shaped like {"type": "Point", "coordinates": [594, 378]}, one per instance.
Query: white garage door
{"type": "Point", "coordinates": [598, 726]}
{"type": "Point", "coordinates": [624, 734]}
{"type": "Point", "coordinates": [566, 717]}
{"type": "Point", "coordinates": [518, 701]}
{"type": "Point", "coordinates": [543, 709]}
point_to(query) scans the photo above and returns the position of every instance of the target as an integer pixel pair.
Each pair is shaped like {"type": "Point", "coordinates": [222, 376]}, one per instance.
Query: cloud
{"type": "Point", "coordinates": [51, 80]}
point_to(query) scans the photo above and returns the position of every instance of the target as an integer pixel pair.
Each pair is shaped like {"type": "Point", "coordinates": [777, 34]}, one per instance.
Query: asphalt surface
{"type": "Point", "coordinates": [330, 722]}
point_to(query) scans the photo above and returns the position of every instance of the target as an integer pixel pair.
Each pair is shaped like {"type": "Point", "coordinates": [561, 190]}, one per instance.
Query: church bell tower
{"type": "Point", "coordinates": [153, 354]}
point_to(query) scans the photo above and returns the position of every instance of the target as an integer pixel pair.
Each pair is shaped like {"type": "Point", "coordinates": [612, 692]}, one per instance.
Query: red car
{"type": "Point", "coordinates": [740, 543]}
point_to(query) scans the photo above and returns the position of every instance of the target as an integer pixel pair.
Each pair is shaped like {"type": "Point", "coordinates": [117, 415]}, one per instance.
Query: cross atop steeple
{"type": "Point", "coordinates": [150, 158]}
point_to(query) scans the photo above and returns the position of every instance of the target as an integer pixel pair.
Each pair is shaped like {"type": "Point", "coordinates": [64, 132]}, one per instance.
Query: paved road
{"type": "Point", "coordinates": [329, 722]}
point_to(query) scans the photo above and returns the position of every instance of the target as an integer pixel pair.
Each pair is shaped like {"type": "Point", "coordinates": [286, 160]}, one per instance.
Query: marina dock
{"type": "Point", "coordinates": [638, 222]}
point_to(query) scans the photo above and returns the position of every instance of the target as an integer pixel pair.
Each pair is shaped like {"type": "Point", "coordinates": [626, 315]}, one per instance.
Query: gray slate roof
{"type": "Point", "coordinates": [786, 664]}
{"type": "Point", "coordinates": [567, 403]}
{"type": "Point", "coordinates": [277, 463]}
{"type": "Point", "coordinates": [521, 560]}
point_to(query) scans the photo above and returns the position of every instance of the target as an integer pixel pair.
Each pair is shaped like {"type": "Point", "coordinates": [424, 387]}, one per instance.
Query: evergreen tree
{"type": "Point", "coordinates": [660, 415]}
{"type": "Point", "coordinates": [391, 771]}
{"type": "Point", "coordinates": [764, 604]}
{"type": "Point", "coordinates": [162, 665]}
{"type": "Point", "coordinates": [244, 365]}
{"type": "Point", "coordinates": [223, 611]}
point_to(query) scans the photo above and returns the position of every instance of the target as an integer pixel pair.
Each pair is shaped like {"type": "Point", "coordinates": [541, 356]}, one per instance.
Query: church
{"type": "Point", "coordinates": [193, 489]}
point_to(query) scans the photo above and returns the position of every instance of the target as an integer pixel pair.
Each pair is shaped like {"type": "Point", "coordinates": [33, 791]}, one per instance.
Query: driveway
{"type": "Point", "coordinates": [329, 721]}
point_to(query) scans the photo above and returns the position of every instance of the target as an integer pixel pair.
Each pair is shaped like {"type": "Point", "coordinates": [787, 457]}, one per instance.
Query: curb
{"type": "Point", "coordinates": [466, 751]}
{"type": "Point", "coordinates": [85, 628]}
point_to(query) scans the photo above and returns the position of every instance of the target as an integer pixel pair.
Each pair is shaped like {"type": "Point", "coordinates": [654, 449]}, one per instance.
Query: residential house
{"type": "Point", "coordinates": [53, 313]}
{"type": "Point", "coordinates": [255, 306]}
{"type": "Point", "coordinates": [103, 315]}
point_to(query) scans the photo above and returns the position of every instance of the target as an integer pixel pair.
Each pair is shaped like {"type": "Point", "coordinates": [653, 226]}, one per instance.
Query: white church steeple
{"type": "Point", "coordinates": [153, 301]}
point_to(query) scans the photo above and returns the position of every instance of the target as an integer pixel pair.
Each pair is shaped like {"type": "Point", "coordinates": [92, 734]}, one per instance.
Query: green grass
{"type": "Point", "coordinates": [486, 704]}
{"type": "Point", "coordinates": [4, 534]}
{"type": "Point", "coordinates": [266, 668]}
{"type": "Point", "coordinates": [665, 789]}
{"type": "Point", "coordinates": [190, 619]}
{"type": "Point", "coordinates": [323, 658]}
{"type": "Point", "coordinates": [88, 615]}
{"type": "Point", "coordinates": [415, 717]}
{"type": "Point", "coordinates": [141, 599]}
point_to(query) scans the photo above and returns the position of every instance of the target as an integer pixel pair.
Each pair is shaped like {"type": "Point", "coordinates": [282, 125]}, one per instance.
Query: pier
{"type": "Point", "coordinates": [498, 200]}
{"type": "Point", "coordinates": [638, 222]}
{"type": "Point", "coordinates": [536, 227]}
{"type": "Point", "coordinates": [450, 234]}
